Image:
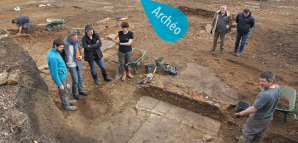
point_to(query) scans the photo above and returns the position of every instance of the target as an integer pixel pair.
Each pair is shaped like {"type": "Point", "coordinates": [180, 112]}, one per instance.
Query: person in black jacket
{"type": "Point", "coordinates": [245, 21]}
{"type": "Point", "coordinates": [92, 43]}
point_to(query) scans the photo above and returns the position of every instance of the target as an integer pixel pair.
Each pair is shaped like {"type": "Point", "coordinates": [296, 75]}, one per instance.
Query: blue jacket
{"type": "Point", "coordinates": [244, 23]}
{"type": "Point", "coordinates": [57, 66]}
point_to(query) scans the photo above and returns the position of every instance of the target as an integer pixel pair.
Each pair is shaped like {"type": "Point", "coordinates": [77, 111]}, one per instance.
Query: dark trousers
{"type": "Point", "coordinates": [243, 38]}
{"type": "Point", "coordinates": [65, 94]}
{"type": "Point", "coordinates": [124, 59]}
{"type": "Point", "coordinates": [222, 40]}
{"type": "Point", "coordinates": [99, 62]}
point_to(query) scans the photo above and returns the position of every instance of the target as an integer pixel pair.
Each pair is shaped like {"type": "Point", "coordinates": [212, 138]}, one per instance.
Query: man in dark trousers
{"type": "Point", "coordinates": [22, 22]}
{"type": "Point", "coordinates": [92, 43]}
{"type": "Point", "coordinates": [221, 23]}
{"type": "Point", "coordinates": [245, 21]}
{"type": "Point", "coordinates": [72, 55]}
{"type": "Point", "coordinates": [58, 73]}
{"type": "Point", "coordinates": [261, 113]}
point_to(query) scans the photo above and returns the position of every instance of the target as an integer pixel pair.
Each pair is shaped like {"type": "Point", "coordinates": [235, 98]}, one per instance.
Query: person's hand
{"type": "Point", "coordinates": [80, 57]}
{"type": "Point", "coordinates": [88, 46]}
{"type": "Point", "coordinates": [61, 87]}
{"type": "Point", "coordinates": [237, 115]}
{"type": "Point", "coordinates": [97, 41]}
{"type": "Point", "coordinates": [228, 26]}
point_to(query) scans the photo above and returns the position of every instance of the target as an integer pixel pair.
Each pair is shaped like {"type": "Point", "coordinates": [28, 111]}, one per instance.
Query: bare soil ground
{"type": "Point", "coordinates": [271, 45]}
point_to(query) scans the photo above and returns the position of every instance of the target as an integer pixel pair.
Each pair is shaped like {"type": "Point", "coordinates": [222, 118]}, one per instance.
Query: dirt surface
{"type": "Point", "coordinates": [271, 45]}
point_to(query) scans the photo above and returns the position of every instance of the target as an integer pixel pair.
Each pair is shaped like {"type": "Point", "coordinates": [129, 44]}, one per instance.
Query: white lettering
{"type": "Point", "coordinates": [162, 18]}
{"type": "Point", "coordinates": [178, 29]}
{"type": "Point", "coordinates": [156, 10]}
{"type": "Point", "coordinates": [173, 25]}
{"type": "Point", "coordinates": [167, 21]}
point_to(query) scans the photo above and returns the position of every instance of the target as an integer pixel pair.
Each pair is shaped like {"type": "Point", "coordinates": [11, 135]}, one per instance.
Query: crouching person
{"type": "Point", "coordinates": [92, 43]}
{"type": "Point", "coordinates": [58, 73]}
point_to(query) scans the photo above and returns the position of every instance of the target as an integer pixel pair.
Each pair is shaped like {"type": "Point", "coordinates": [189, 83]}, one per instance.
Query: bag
{"type": "Point", "coordinates": [169, 69]}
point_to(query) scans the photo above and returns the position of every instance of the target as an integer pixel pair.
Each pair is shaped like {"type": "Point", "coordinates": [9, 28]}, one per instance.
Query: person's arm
{"type": "Point", "coordinates": [20, 29]}
{"type": "Point", "coordinates": [131, 37]}
{"type": "Point", "coordinates": [237, 18]}
{"type": "Point", "coordinates": [97, 45]}
{"type": "Point", "coordinates": [252, 22]}
{"type": "Point", "coordinates": [213, 21]}
{"type": "Point", "coordinates": [248, 111]}
{"type": "Point", "coordinates": [127, 43]}
{"type": "Point", "coordinates": [115, 39]}
{"type": "Point", "coordinates": [54, 71]}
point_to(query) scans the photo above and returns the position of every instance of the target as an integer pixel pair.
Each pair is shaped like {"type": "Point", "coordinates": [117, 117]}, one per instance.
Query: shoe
{"type": "Point", "coordinates": [212, 50]}
{"type": "Point", "coordinates": [123, 78]}
{"type": "Point", "coordinates": [233, 51]}
{"type": "Point", "coordinates": [107, 79]}
{"type": "Point", "coordinates": [77, 97]}
{"type": "Point", "coordinates": [83, 93]}
{"type": "Point", "coordinates": [129, 74]}
{"type": "Point", "coordinates": [96, 81]}
{"type": "Point", "coordinates": [71, 102]}
{"type": "Point", "coordinates": [222, 51]}
{"type": "Point", "coordinates": [70, 108]}
{"type": "Point", "coordinates": [239, 54]}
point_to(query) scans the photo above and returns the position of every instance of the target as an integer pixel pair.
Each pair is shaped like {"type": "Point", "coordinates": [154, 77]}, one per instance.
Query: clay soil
{"type": "Point", "coordinates": [271, 45]}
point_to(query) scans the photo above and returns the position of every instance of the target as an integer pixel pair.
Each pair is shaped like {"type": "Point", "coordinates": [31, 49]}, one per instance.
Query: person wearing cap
{"type": "Point", "coordinates": [221, 24]}
{"type": "Point", "coordinates": [245, 21]}
{"type": "Point", "coordinates": [72, 54]}
{"type": "Point", "coordinates": [21, 22]}
{"type": "Point", "coordinates": [92, 43]}
{"type": "Point", "coordinates": [261, 113]}
{"type": "Point", "coordinates": [125, 49]}
{"type": "Point", "coordinates": [58, 73]}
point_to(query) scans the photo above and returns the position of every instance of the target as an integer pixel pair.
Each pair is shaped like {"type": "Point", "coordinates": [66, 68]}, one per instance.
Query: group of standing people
{"type": "Point", "coordinates": [221, 25]}
{"type": "Point", "coordinates": [68, 54]}
{"type": "Point", "coordinates": [261, 113]}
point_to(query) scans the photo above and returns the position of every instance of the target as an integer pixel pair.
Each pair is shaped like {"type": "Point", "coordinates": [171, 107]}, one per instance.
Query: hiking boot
{"type": "Point", "coordinates": [239, 54]}
{"type": "Point", "coordinates": [107, 78]}
{"type": "Point", "coordinates": [212, 50]}
{"type": "Point", "coordinates": [123, 78]}
{"type": "Point", "coordinates": [129, 74]}
{"type": "Point", "coordinates": [83, 93]}
{"type": "Point", "coordinates": [222, 51]}
{"type": "Point", "coordinates": [71, 102]}
{"type": "Point", "coordinates": [70, 108]}
{"type": "Point", "coordinates": [96, 81]}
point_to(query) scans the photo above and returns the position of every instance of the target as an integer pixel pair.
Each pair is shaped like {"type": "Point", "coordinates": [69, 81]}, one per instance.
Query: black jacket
{"type": "Point", "coordinates": [244, 23]}
{"type": "Point", "coordinates": [94, 49]}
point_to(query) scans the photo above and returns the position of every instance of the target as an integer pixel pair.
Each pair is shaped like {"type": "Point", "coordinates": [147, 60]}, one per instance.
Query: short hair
{"type": "Point", "coordinates": [88, 27]}
{"type": "Point", "coordinates": [246, 10]}
{"type": "Point", "coordinates": [13, 20]}
{"type": "Point", "coordinates": [269, 75]}
{"type": "Point", "coordinates": [124, 24]}
{"type": "Point", "coordinates": [224, 6]}
{"type": "Point", "coordinates": [72, 32]}
{"type": "Point", "coordinates": [58, 42]}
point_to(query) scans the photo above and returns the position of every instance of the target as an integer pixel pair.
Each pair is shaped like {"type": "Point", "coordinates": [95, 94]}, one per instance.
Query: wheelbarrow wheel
{"type": "Point", "coordinates": [49, 27]}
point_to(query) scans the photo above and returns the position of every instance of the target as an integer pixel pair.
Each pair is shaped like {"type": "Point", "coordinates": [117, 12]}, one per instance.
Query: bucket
{"type": "Point", "coordinates": [242, 105]}
{"type": "Point", "coordinates": [159, 61]}
{"type": "Point", "coordinates": [149, 68]}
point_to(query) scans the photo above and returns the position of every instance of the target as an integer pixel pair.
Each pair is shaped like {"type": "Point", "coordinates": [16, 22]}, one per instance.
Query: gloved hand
{"type": "Point", "coordinates": [237, 115]}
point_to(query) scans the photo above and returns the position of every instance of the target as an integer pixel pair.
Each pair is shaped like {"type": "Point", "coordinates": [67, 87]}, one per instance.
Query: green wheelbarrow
{"type": "Point", "coordinates": [56, 22]}
{"type": "Point", "coordinates": [134, 64]}
{"type": "Point", "coordinates": [289, 94]}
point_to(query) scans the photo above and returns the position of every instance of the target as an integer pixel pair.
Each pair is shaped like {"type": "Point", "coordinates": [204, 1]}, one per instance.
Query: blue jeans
{"type": "Point", "coordinates": [77, 82]}
{"type": "Point", "coordinates": [243, 38]}
{"type": "Point", "coordinates": [99, 62]}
